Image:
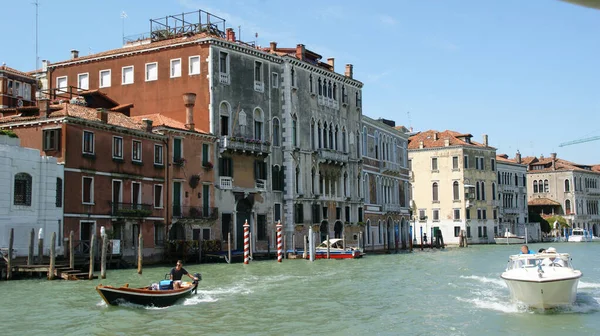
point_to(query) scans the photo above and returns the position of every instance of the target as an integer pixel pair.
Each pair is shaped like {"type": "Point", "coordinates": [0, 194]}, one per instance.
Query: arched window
{"type": "Point", "coordinates": [224, 113]}
{"type": "Point", "coordinates": [546, 186]}
{"type": "Point", "coordinates": [258, 124]}
{"type": "Point", "coordinates": [455, 191]}
{"type": "Point", "coordinates": [294, 131]}
{"type": "Point", "coordinates": [483, 191]}
{"type": "Point", "coordinates": [434, 190]}
{"type": "Point", "coordinates": [376, 145]}
{"type": "Point", "coordinates": [358, 185]}
{"type": "Point", "coordinates": [320, 87]}
{"type": "Point", "coordinates": [313, 176]}
{"type": "Point", "coordinates": [493, 191]}
{"type": "Point", "coordinates": [567, 207]}
{"type": "Point", "coordinates": [22, 191]}
{"type": "Point", "coordinates": [477, 191]}
{"type": "Point", "coordinates": [366, 189]}
{"type": "Point", "coordinates": [346, 184]}
{"type": "Point", "coordinates": [325, 137]}
{"type": "Point", "coordinates": [276, 132]}
{"type": "Point", "coordinates": [297, 180]}
{"type": "Point", "coordinates": [499, 180]}
{"type": "Point", "coordinates": [516, 180]}
{"type": "Point", "coordinates": [535, 186]}
{"type": "Point", "coordinates": [312, 134]}
{"type": "Point", "coordinates": [330, 136]}
{"type": "Point", "coordinates": [364, 145]}
{"type": "Point", "coordinates": [567, 185]}
{"type": "Point", "coordinates": [344, 149]}
{"type": "Point", "coordinates": [336, 138]}
{"type": "Point", "coordinates": [320, 135]}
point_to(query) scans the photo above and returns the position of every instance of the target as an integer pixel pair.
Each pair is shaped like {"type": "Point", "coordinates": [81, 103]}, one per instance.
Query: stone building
{"type": "Point", "coordinates": [452, 182]}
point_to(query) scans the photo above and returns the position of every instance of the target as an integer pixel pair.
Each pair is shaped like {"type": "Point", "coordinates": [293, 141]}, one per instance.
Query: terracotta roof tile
{"type": "Point", "coordinates": [161, 120]}
{"type": "Point", "coordinates": [428, 139]}
{"type": "Point", "coordinates": [15, 71]}
{"type": "Point", "coordinates": [559, 165]}
{"type": "Point", "coordinates": [114, 118]}
{"type": "Point", "coordinates": [542, 201]}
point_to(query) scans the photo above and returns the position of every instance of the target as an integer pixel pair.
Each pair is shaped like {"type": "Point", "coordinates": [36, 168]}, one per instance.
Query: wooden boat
{"type": "Point", "coordinates": [151, 295]}
{"type": "Point", "coordinates": [336, 250]}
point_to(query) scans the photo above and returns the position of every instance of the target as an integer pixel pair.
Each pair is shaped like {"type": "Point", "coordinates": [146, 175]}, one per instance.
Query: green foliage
{"type": "Point", "coordinates": [544, 225]}
{"type": "Point", "coordinates": [134, 212]}
{"type": "Point", "coordinates": [561, 221]}
{"type": "Point", "coordinates": [10, 134]}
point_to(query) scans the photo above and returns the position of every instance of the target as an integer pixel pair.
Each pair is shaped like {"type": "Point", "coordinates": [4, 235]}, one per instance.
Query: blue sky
{"type": "Point", "coordinates": [525, 72]}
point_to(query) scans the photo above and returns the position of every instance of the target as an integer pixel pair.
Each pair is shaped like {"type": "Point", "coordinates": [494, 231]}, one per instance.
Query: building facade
{"type": "Point", "coordinates": [512, 197]}
{"type": "Point", "coordinates": [385, 181]}
{"type": "Point", "coordinates": [17, 89]}
{"type": "Point", "coordinates": [34, 198]}
{"type": "Point", "coordinates": [453, 179]}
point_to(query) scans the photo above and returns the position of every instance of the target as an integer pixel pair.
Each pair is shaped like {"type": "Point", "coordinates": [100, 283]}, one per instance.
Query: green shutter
{"type": "Point", "coordinates": [204, 153]}
{"type": "Point", "coordinates": [176, 149]}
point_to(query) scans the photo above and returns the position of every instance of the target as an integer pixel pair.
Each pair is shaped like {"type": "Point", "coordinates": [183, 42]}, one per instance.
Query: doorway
{"type": "Point", "coordinates": [244, 212]}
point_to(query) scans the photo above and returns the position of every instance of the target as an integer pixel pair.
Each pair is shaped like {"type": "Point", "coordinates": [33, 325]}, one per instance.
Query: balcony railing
{"type": "Point", "coordinates": [224, 78]}
{"type": "Point", "coordinates": [261, 184]}
{"type": "Point", "coordinates": [226, 182]}
{"type": "Point", "coordinates": [332, 156]}
{"type": "Point", "coordinates": [259, 86]}
{"type": "Point", "coordinates": [392, 208]}
{"type": "Point", "coordinates": [250, 146]}
{"type": "Point", "coordinates": [194, 212]}
{"type": "Point", "coordinates": [391, 166]}
{"type": "Point", "coordinates": [130, 209]}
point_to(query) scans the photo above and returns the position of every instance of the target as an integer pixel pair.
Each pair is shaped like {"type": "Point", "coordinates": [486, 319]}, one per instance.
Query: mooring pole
{"type": "Point", "coordinates": [52, 256]}
{"type": "Point", "coordinates": [71, 250]}
{"type": "Point", "coordinates": [31, 244]}
{"type": "Point", "coordinates": [40, 247]}
{"type": "Point", "coordinates": [328, 247]}
{"type": "Point", "coordinates": [103, 253]}
{"type": "Point", "coordinates": [229, 247]}
{"type": "Point", "coordinates": [10, 254]}
{"type": "Point", "coordinates": [246, 242]}
{"type": "Point", "coordinates": [92, 246]}
{"type": "Point", "coordinates": [278, 226]}
{"type": "Point", "coordinates": [140, 253]}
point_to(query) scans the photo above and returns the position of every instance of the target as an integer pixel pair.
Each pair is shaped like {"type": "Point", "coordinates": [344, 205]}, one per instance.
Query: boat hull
{"type": "Point", "coordinates": [579, 239]}
{"type": "Point", "coordinates": [509, 240]}
{"type": "Point", "coordinates": [544, 294]}
{"type": "Point", "coordinates": [337, 254]}
{"type": "Point", "coordinates": [143, 296]}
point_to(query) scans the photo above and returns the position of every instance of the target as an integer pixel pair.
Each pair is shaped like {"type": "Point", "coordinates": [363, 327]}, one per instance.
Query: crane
{"type": "Point", "coordinates": [586, 3]}
{"type": "Point", "coordinates": [573, 142]}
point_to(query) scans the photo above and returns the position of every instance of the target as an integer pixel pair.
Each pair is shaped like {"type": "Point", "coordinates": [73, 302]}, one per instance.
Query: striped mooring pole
{"type": "Point", "coordinates": [246, 242]}
{"type": "Point", "coordinates": [279, 242]}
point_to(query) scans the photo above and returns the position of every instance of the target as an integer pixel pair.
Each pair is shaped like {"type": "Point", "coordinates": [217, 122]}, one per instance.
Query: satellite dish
{"type": "Point", "coordinates": [20, 103]}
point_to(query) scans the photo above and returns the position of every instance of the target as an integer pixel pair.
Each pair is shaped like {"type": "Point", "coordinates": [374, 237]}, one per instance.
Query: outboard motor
{"type": "Point", "coordinates": [195, 282]}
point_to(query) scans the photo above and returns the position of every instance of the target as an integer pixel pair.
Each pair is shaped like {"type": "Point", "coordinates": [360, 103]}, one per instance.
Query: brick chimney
{"type": "Point", "coordinates": [189, 99]}
{"type": "Point", "coordinates": [518, 157]}
{"type": "Point", "coordinates": [44, 106]}
{"type": "Point", "coordinates": [300, 51]}
{"type": "Point", "coordinates": [553, 156]}
{"type": "Point", "coordinates": [349, 71]}
{"type": "Point", "coordinates": [485, 140]}
{"type": "Point", "coordinates": [102, 114]}
{"type": "Point", "coordinates": [230, 34]}
{"type": "Point", "coordinates": [148, 124]}
{"type": "Point", "coordinates": [74, 53]}
{"type": "Point", "coordinates": [273, 47]}
{"type": "Point", "coordinates": [435, 136]}
{"type": "Point", "coordinates": [331, 62]}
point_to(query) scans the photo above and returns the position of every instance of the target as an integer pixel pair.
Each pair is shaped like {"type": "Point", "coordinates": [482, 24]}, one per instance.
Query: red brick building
{"type": "Point", "coordinates": [17, 89]}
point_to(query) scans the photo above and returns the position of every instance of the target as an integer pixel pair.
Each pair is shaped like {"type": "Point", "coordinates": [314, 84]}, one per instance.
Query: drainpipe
{"type": "Point", "coordinates": [167, 187]}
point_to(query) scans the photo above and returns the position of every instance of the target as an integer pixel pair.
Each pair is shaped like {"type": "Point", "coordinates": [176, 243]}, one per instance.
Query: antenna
{"type": "Point", "coordinates": [123, 17]}
{"type": "Point", "coordinates": [36, 4]}
{"type": "Point", "coordinates": [409, 121]}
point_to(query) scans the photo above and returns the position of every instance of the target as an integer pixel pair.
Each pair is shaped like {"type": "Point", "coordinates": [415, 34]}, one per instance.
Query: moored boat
{"type": "Point", "coordinates": [336, 250]}
{"type": "Point", "coordinates": [509, 238]}
{"type": "Point", "coordinates": [580, 235]}
{"type": "Point", "coordinates": [542, 280]}
{"type": "Point", "coordinates": [154, 295]}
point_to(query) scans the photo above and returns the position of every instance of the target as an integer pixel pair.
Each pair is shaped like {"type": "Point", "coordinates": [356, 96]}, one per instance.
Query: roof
{"type": "Point", "coordinates": [3, 67]}
{"type": "Point", "coordinates": [542, 201]}
{"type": "Point", "coordinates": [429, 140]}
{"type": "Point", "coordinates": [503, 158]}
{"type": "Point", "coordinates": [88, 113]}
{"type": "Point", "coordinates": [161, 120]}
{"type": "Point", "coordinates": [559, 165]}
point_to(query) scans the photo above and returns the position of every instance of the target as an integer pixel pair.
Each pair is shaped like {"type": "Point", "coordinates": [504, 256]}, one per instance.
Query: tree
{"type": "Point", "coordinates": [557, 218]}
{"type": "Point", "coordinates": [544, 225]}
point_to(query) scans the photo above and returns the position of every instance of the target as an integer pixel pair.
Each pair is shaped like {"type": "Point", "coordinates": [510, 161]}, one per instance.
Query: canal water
{"type": "Point", "coordinates": [432, 292]}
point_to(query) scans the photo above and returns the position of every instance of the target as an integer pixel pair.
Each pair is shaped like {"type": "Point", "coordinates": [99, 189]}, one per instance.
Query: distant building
{"type": "Point", "coordinates": [32, 199]}
{"type": "Point", "coordinates": [453, 179]}
{"type": "Point", "coordinates": [17, 90]}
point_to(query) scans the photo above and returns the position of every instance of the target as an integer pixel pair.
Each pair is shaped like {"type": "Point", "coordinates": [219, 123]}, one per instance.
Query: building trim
{"type": "Point", "coordinates": [127, 176]}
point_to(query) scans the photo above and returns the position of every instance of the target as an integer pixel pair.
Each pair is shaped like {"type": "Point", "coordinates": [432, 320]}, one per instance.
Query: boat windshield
{"type": "Point", "coordinates": [534, 260]}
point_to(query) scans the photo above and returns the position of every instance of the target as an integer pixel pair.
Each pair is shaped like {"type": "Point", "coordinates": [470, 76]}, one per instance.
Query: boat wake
{"type": "Point", "coordinates": [493, 294]}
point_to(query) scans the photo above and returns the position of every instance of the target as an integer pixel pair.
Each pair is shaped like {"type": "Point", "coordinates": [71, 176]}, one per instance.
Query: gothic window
{"type": "Point", "coordinates": [276, 132]}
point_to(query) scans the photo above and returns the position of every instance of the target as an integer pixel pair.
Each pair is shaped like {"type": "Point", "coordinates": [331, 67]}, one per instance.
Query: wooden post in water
{"type": "Point", "coordinates": [304, 254]}
{"type": "Point", "coordinates": [284, 248]}
{"type": "Point", "coordinates": [71, 250]}
{"type": "Point", "coordinates": [268, 247]}
{"type": "Point", "coordinates": [251, 243]}
{"type": "Point", "coordinates": [52, 256]}
{"type": "Point", "coordinates": [294, 243]}
{"type": "Point", "coordinates": [31, 243]}
{"type": "Point", "coordinates": [40, 247]}
{"type": "Point", "coordinates": [344, 242]}
{"type": "Point", "coordinates": [103, 256]}
{"type": "Point", "coordinates": [140, 252]}
{"type": "Point", "coordinates": [229, 247]}
{"type": "Point", "coordinates": [92, 246]}
{"type": "Point", "coordinates": [10, 254]}
{"type": "Point", "coordinates": [199, 251]}
{"type": "Point", "coordinates": [328, 245]}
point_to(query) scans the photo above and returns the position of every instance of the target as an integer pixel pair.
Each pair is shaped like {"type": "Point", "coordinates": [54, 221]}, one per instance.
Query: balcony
{"type": "Point", "coordinates": [259, 86]}
{"type": "Point", "coordinates": [130, 210]}
{"type": "Point", "coordinates": [332, 156]}
{"type": "Point", "coordinates": [261, 184]}
{"type": "Point", "coordinates": [392, 208]}
{"type": "Point", "coordinates": [390, 166]}
{"type": "Point", "coordinates": [244, 145]}
{"type": "Point", "coordinates": [224, 78]}
{"type": "Point", "coordinates": [194, 212]}
{"type": "Point", "coordinates": [226, 182]}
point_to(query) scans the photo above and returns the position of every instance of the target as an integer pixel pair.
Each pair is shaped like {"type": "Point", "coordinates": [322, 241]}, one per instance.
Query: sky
{"type": "Point", "coordinates": [526, 73]}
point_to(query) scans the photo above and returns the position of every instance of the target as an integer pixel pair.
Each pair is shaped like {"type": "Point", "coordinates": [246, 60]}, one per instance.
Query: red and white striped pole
{"type": "Point", "coordinates": [279, 242]}
{"type": "Point", "coordinates": [246, 242]}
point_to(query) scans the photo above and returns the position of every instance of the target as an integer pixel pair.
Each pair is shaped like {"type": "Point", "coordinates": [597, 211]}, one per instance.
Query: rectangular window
{"type": "Point", "coordinates": [177, 150]}
{"type": "Point", "coordinates": [477, 163]}
{"type": "Point", "coordinates": [159, 234]}
{"type": "Point", "coordinates": [194, 68]}
{"type": "Point", "coordinates": [87, 190]}
{"type": "Point", "coordinates": [495, 214]}
{"type": "Point", "coordinates": [261, 227]}
{"type": "Point", "coordinates": [478, 213]}
{"type": "Point", "coordinates": [479, 232]}
{"type": "Point", "coordinates": [51, 139]}
{"type": "Point", "coordinates": [136, 150]}
{"type": "Point", "coordinates": [275, 80]}
{"type": "Point", "coordinates": [176, 67]}
{"type": "Point", "coordinates": [456, 214]}
{"type": "Point", "coordinates": [83, 81]}
{"type": "Point", "coordinates": [347, 214]}
{"type": "Point", "coordinates": [205, 154]}
{"type": "Point", "coordinates": [493, 164]}
{"type": "Point", "coordinates": [136, 193]}
{"type": "Point", "coordinates": [325, 212]}
{"type": "Point", "coordinates": [299, 213]}
{"type": "Point", "coordinates": [468, 213]}
{"type": "Point", "coordinates": [151, 71]}
{"type": "Point", "coordinates": [484, 214]}
{"type": "Point", "coordinates": [117, 148]}
{"type": "Point", "coordinates": [260, 170]}
{"type": "Point", "coordinates": [422, 216]}
{"type": "Point", "coordinates": [485, 231]}
{"type": "Point", "coordinates": [360, 214]}
{"type": "Point", "coordinates": [277, 212]}
{"type": "Point", "coordinates": [436, 215]}
{"type": "Point", "coordinates": [455, 162]}
{"type": "Point", "coordinates": [104, 78]}
{"type": "Point", "coordinates": [257, 71]}
{"type": "Point", "coordinates": [434, 164]}
{"type": "Point", "coordinates": [223, 60]}
{"type": "Point", "coordinates": [456, 231]}
{"type": "Point", "coordinates": [127, 75]}
{"type": "Point", "coordinates": [158, 155]}
{"type": "Point", "coordinates": [158, 196]}
{"type": "Point", "coordinates": [466, 161]}
{"type": "Point", "coordinates": [225, 167]}
{"type": "Point", "coordinates": [59, 193]}
{"type": "Point", "coordinates": [88, 142]}
{"type": "Point", "coordinates": [61, 84]}
{"type": "Point", "coordinates": [468, 232]}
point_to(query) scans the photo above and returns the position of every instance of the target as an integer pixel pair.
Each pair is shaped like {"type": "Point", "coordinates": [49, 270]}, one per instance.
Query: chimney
{"type": "Point", "coordinates": [447, 143]}
{"type": "Point", "coordinates": [44, 106]}
{"type": "Point", "coordinates": [349, 71]}
{"type": "Point", "coordinates": [553, 156]}
{"type": "Point", "coordinates": [44, 65]}
{"type": "Point", "coordinates": [420, 144]}
{"type": "Point", "coordinates": [74, 53]}
{"type": "Point", "coordinates": [189, 99]}
{"type": "Point", "coordinates": [102, 114]}
{"type": "Point", "coordinates": [518, 157]}
{"type": "Point", "coordinates": [435, 136]}
{"type": "Point", "coordinates": [273, 47]}
{"type": "Point", "coordinates": [300, 51]}
{"type": "Point", "coordinates": [331, 62]}
{"type": "Point", "coordinates": [148, 124]}
{"type": "Point", "coordinates": [485, 140]}
{"type": "Point", "coordinates": [230, 34]}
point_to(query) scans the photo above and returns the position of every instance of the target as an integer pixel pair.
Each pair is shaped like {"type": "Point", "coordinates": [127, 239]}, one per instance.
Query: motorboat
{"type": "Point", "coordinates": [543, 280]}
{"type": "Point", "coordinates": [509, 238]}
{"type": "Point", "coordinates": [337, 250]}
{"type": "Point", "coordinates": [156, 295]}
{"type": "Point", "coordinates": [580, 235]}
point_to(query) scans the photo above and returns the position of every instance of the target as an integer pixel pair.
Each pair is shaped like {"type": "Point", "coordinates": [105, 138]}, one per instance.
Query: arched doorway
{"type": "Point", "coordinates": [324, 229]}
{"type": "Point", "coordinates": [177, 232]}
{"type": "Point", "coordinates": [243, 213]}
{"type": "Point", "coordinates": [388, 232]}
{"type": "Point", "coordinates": [403, 233]}
{"type": "Point", "coordinates": [338, 229]}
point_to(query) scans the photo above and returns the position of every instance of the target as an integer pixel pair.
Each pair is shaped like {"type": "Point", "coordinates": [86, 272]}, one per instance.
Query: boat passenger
{"type": "Point", "coordinates": [177, 272]}
{"type": "Point", "coordinates": [553, 260]}
{"type": "Point", "coordinates": [525, 250]}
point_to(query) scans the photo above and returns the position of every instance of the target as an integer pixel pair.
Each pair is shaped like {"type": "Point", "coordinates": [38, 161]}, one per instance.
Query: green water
{"type": "Point", "coordinates": [449, 292]}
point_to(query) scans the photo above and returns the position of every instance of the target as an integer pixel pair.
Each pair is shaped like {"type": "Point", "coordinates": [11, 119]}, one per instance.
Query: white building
{"type": "Point", "coordinates": [34, 199]}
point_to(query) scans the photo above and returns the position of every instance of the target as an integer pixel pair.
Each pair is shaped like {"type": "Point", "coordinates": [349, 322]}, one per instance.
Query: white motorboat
{"type": "Point", "coordinates": [543, 280]}
{"type": "Point", "coordinates": [337, 250]}
{"type": "Point", "coordinates": [509, 238]}
{"type": "Point", "coordinates": [580, 235]}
